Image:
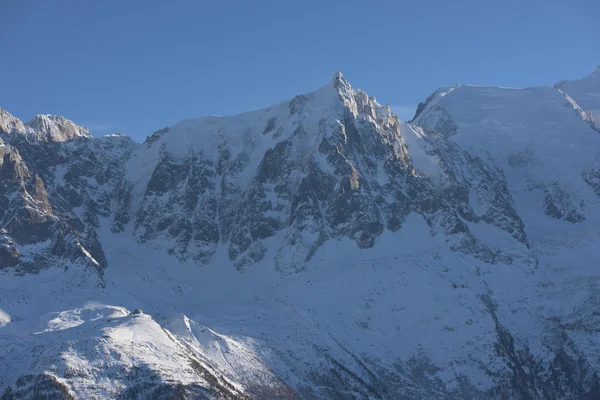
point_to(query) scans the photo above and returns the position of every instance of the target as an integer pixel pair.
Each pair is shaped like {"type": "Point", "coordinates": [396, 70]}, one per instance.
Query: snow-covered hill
{"type": "Point", "coordinates": [320, 248]}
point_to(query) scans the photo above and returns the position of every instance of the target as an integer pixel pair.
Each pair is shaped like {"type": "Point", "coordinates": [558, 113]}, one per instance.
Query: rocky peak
{"type": "Point", "coordinates": [8, 123]}
{"type": "Point", "coordinates": [54, 128]}
{"type": "Point", "coordinates": [341, 84]}
{"type": "Point", "coordinates": [359, 102]}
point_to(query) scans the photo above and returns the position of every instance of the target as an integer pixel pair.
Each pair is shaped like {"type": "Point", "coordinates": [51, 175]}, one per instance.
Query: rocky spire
{"type": "Point", "coordinates": [13, 168]}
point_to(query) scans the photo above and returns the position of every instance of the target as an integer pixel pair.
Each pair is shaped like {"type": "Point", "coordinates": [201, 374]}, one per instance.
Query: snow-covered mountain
{"type": "Point", "coordinates": [319, 248]}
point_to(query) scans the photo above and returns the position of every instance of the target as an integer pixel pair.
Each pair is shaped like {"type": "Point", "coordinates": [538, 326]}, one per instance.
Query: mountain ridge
{"type": "Point", "coordinates": [6, 117]}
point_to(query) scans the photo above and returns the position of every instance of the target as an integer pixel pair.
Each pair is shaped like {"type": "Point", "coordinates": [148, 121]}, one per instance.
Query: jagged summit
{"type": "Point", "coordinates": [9, 123]}
{"type": "Point", "coordinates": [42, 127]}
{"type": "Point", "coordinates": [330, 100]}
{"type": "Point", "coordinates": [305, 112]}
{"type": "Point", "coordinates": [56, 128]}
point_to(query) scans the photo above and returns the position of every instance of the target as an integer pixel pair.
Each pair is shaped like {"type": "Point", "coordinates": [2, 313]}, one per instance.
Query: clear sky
{"type": "Point", "coordinates": [138, 66]}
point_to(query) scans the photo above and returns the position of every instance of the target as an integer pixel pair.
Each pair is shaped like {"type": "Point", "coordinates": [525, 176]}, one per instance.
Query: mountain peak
{"type": "Point", "coordinates": [343, 87]}
{"type": "Point", "coordinates": [358, 101]}
{"type": "Point", "coordinates": [339, 81]}
{"type": "Point", "coordinates": [9, 123]}
{"type": "Point", "coordinates": [43, 127]}
{"type": "Point", "coordinates": [55, 128]}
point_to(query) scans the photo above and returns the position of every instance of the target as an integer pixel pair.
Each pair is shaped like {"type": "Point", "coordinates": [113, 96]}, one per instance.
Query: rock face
{"type": "Point", "coordinates": [9, 253]}
{"type": "Point", "coordinates": [331, 164]}
{"type": "Point", "coordinates": [369, 258]}
{"type": "Point", "coordinates": [54, 233]}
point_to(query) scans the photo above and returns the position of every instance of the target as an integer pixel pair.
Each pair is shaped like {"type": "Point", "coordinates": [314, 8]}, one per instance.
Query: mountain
{"type": "Point", "coordinates": [319, 248]}
{"type": "Point", "coordinates": [47, 128]}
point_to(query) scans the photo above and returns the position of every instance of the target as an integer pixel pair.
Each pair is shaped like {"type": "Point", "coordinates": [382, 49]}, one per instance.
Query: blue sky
{"type": "Point", "coordinates": [138, 66]}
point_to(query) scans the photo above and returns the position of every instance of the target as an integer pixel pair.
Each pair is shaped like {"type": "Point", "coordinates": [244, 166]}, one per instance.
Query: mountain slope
{"type": "Point", "coordinates": [547, 150]}
{"type": "Point", "coordinates": [585, 92]}
{"type": "Point", "coordinates": [319, 248]}
{"type": "Point", "coordinates": [538, 137]}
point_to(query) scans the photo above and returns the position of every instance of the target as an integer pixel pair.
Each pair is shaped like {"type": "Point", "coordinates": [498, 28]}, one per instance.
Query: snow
{"type": "Point", "coordinates": [535, 135]}
{"type": "Point", "coordinates": [586, 92]}
{"type": "Point", "coordinates": [242, 324]}
{"type": "Point", "coordinates": [243, 134]}
{"type": "Point", "coordinates": [4, 318]}
{"type": "Point", "coordinates": [542, 142]}
{"type": "Point", "coordinates": [139, 169]}
{"type": "Point", "coordinates": [417, 147]}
